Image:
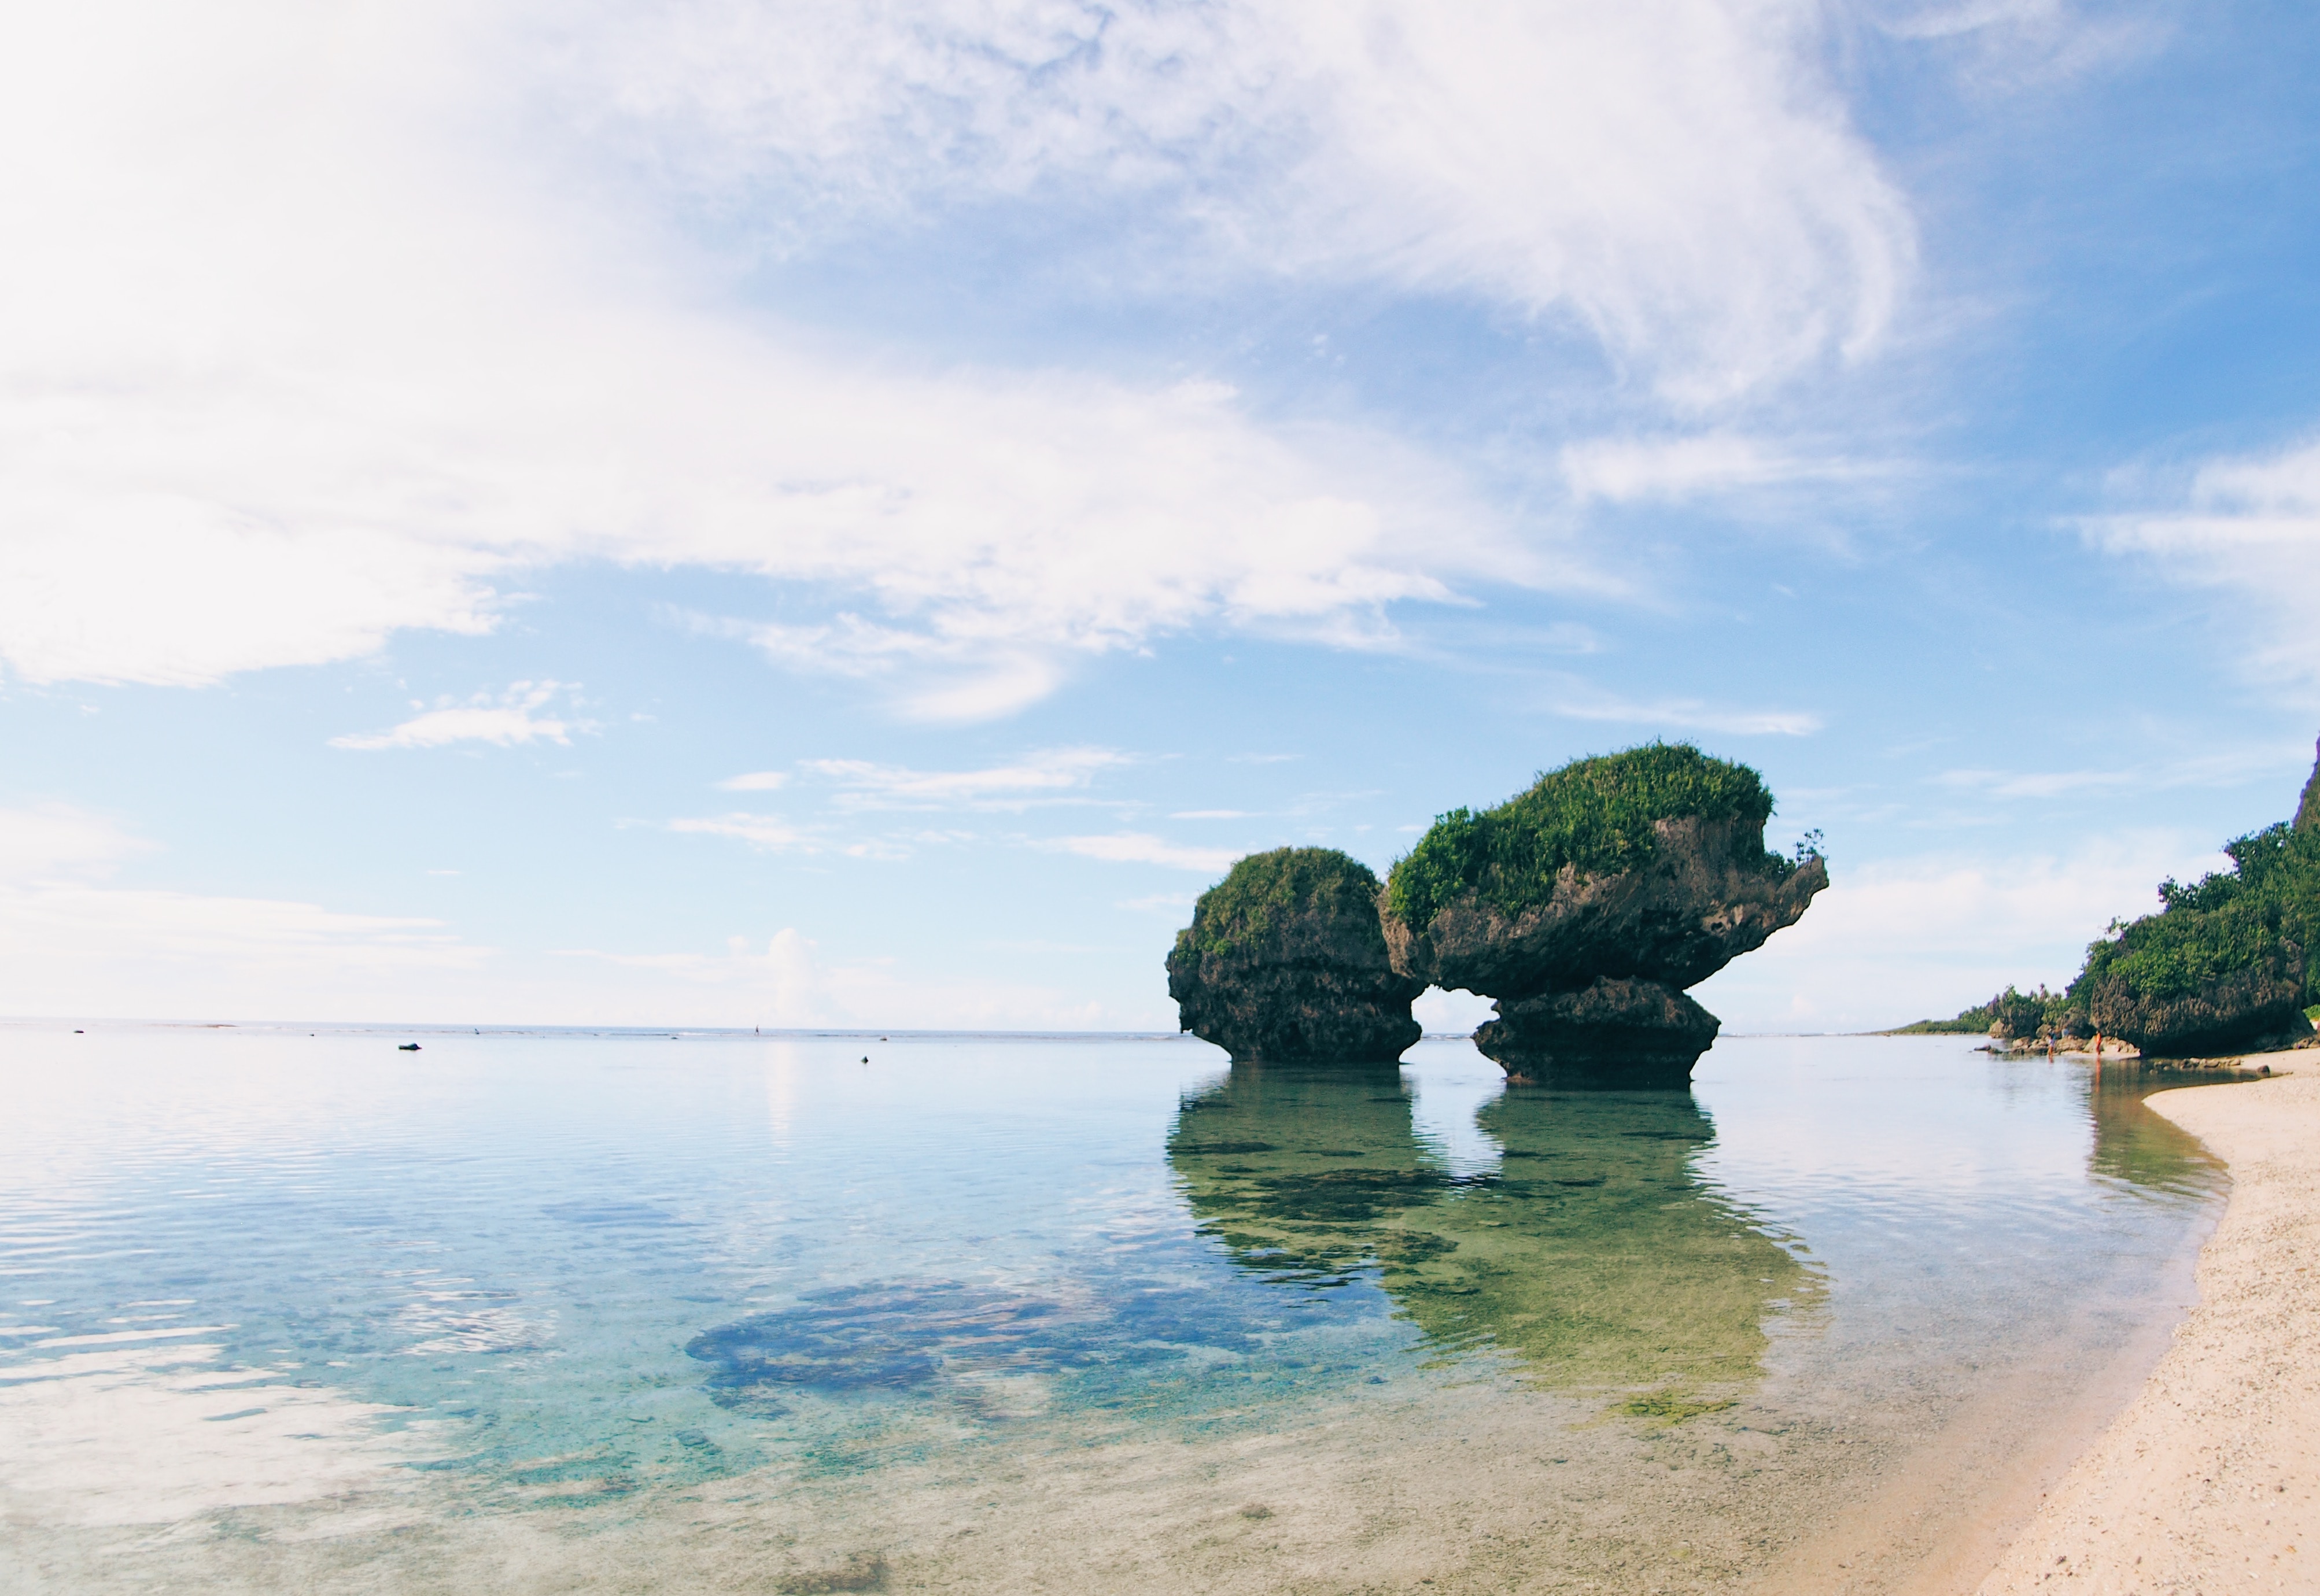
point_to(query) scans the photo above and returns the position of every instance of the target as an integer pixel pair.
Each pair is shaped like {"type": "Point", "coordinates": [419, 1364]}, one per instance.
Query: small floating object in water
{"type": "Point", "coordinates": [408, 1047]}
{"type": "Point", "coordinates": [865, 1058]}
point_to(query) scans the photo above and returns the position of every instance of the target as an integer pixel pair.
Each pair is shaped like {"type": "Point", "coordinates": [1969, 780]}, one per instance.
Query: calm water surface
{"type": "Point", "coordinates": [558, 1312]}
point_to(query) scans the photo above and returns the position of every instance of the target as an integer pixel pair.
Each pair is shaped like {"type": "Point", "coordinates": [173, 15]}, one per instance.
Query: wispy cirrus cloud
{"type": "Point", "coordinates": [1581, 700]}
{"type": "Point", "coordinates": [769, 832]}
{"type": "Point", "coordinates": [1040, 777]}
{"type": "Point", "coordinates": [505, 720]}
{"type": "Point", "coordinates": [1677, 176]}
{"type": "Point", "coordinates": [1676, 469]}
{"type": "Point", "coordinates": [1141, 847]}
{"type": "Point", "coordinates": [790, 981]}
{"type": "Point", "coordinates": [2230, 767]}
{"type": "Point", "coordinates": [71, 942]}
{"type": "Point", "coordinates": [2245, 527]}
{"type": "Point", "coordinates": [459, 362]}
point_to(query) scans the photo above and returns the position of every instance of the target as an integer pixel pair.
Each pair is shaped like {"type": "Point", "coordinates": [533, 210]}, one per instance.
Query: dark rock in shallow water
{"type": "Point", "coordinates": [1285, 960]}
{"type": "Point", "coordinates": [1587, 904]}
{"type": "Point", "coordinates": [1620, 1033]}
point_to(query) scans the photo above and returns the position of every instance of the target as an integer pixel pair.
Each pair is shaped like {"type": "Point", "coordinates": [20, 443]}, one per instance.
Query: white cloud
{"type": "Point", "coordinates": [70, 944]}
{"type": "Point", "coordinates": [1918, 938]}
{"type": "Point", "coordinates": [52, 840]}
{"type": "Point", "coordinates": [792, 984]}
{"type": "Point", "coordinates": [2035, 784]}
{"type": "Point", "coordinates": [2230, 767]}
{"type": "Point", "coordinates": [1630, 470]}
{"type": "Point", "coordinates": [297, 428]}
{"type": "Point", "coordinates": [1039, 776]}
{"type": "Point", "coordinates": [506, 722]}
{"type": "Point", "coordinates": [1677, 175]}
{"type": "Point", "coordinates": [1138, 848]}
{"type": "Point", "coordinates": [1211, 815]}
{"type": "Point", "coordinates": [246, 432]}
{"type": "Point", "coordinates": [770, 832]}
{"type": "Point", "coordinates": [1582, 700]}
{"type": "Point", "coordinates": [754, 782]}
{"type": "Point", "coordinates": [2248, 528]}
{"type": "Point", "coordinates": [1169, 903]}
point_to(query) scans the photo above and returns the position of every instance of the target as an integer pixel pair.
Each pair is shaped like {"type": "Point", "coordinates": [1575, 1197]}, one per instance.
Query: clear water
{"type": "Point", "coordinates": [556, 1312]}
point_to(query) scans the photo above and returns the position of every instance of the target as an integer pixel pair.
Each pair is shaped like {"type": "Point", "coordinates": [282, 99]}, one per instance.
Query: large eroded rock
{"type": "Point", "coordinates": [2253, 1008]}
{"type": "Point", "coordinates": [1285, 961]}
{"type": "Point", "coordinates": [1703, 898]}
{"type": "Point", "coordinates": [1588, 959]}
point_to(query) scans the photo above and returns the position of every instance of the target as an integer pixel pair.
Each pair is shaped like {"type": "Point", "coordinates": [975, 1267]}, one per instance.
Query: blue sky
{"type": "Point", "coordinates": [826, 514]}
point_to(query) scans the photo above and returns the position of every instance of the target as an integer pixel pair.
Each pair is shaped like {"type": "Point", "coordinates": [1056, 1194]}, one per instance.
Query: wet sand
{"type": "Point", "coordinates": [2210, 1480]}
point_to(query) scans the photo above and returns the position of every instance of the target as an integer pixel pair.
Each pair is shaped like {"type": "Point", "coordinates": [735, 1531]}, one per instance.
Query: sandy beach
{"type": "Point", "coordinates": [2210, 1480]}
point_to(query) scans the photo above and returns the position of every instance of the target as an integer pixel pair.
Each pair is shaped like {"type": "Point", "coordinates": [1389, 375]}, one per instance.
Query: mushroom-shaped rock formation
{"type": "Point", "coordinates": [1587, 904]}
{"type": "Point", "coordinates": [1285, 960]}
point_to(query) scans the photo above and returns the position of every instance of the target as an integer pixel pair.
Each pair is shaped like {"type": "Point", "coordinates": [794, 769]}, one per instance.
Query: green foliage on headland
{"type": "Point", "coordinates": [1265, 891]}
{"type": "Point", "coordinates": [1595, 814]}
{"type": "Point", "coordinates": [2257, 921]}
{"type": "Point", "coordinates": [2264, 909]}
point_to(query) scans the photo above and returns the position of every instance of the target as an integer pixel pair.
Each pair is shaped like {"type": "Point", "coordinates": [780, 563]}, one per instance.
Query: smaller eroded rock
{"type": "Point", "coordinates": [1285, 961]}
{"type": "Point", "coordinates": [1613, 1031]}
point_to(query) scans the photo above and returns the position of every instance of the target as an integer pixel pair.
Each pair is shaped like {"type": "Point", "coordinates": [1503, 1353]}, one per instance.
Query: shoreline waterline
{"type": "Point", "coordinates": [2211, 1473]}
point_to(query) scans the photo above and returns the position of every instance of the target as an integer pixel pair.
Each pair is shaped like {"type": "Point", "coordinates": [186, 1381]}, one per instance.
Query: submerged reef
{"type": "Point", "coordinates": [1587, 904]}
{"type": "Point", "coordinates": [1285, 960]}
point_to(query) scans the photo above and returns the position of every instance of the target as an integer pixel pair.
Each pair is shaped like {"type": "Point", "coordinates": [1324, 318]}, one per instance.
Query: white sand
{"type": "Point", "coordinates": [2210, 1481]}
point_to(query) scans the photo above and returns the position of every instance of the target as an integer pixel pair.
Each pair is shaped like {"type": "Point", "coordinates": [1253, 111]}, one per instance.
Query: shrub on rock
{"type": "Point", "coordinates": [1285, 960]}
{"type": "Point", "coordinates": [1587, 903]}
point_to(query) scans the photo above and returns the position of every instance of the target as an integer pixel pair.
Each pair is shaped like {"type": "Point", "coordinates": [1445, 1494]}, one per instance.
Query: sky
{"type": "Point", "coordinates": [812, 514]}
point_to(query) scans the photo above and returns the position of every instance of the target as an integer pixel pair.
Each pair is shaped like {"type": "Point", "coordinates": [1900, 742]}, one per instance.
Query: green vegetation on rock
{"type": "Point", "coordinates": [2230, 960]}
{"type": "Point", "coordinates": [1286, 959]}
{"type": "Point", "coordinates": [2265, 908]}
{"type": "Point", "coordinates": [1598, 815]}
{"type": "Point", "coordinates": [1265, 891]}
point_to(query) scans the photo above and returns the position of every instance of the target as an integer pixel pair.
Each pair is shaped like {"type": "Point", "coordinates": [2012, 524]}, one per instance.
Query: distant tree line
{"type": "Point", "coordinates": [2232, 958]}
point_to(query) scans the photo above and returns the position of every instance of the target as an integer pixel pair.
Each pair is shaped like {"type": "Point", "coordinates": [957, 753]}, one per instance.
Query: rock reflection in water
{"type": "Point", "coordinates": [1594, 1257]}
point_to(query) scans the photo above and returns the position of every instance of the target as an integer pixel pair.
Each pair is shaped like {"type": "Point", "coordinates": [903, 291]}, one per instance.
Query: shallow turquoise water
{"type": "Point", "coordinates": [557, 1285]}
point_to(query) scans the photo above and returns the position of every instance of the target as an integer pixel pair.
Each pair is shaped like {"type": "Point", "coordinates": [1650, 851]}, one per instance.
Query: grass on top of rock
{"type": "Point", "coordinates": [1596, 814]}
{"type": "Point", "coordinates": [1266, 891]}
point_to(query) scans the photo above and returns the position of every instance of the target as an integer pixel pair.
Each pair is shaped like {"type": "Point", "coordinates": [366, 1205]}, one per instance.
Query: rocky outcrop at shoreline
{"type": "Point", "coordinates": [1285, 961]}
{"type": "Point", "coordinates": [1585, 913]}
